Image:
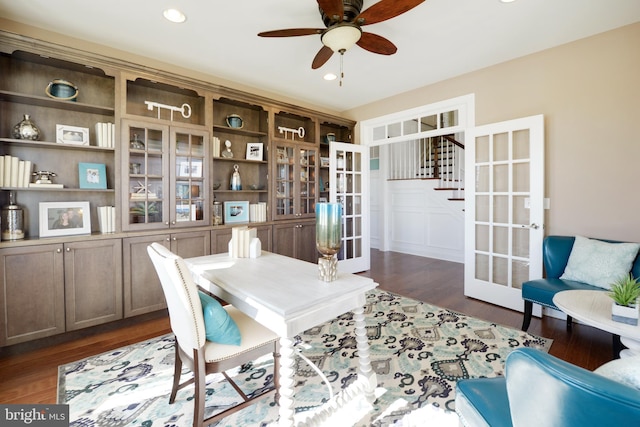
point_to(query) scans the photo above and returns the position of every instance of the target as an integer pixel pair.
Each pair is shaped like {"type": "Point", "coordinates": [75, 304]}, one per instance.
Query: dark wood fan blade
{"type": "Point", "coordinates": [332, 8]}
{"type": "Point", "coordinates": [322, 56]}
{"type": "Point", "coordinates": [385, 9]}
{"type": "Point", "coordinates": [292, 32]}
{"type": "Point", "coordinates": [376, 44]}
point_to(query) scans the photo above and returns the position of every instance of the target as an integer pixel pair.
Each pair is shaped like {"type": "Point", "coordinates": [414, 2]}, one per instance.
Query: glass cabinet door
{"type": "Point", "coordinates": [284, 181]}
{"type": "Point", "coordinates": [189, 188]}
{"type": "Point", "coordinates": [146, 189]}
{"type": "Point", "coordinates": [165, 180]}
{"type": "Point", "coordinates": [307, 193]}
{"type": "Point", "coordinates": [295, 181]}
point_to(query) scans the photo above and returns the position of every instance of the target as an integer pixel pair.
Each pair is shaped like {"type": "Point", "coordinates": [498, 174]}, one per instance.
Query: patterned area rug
{"type": "Point", "coordinates": [418, 351]}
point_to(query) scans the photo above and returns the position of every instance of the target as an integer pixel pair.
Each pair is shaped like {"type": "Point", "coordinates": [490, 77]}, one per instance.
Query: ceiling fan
{"type": "Point", "coordinates": [343, 20]}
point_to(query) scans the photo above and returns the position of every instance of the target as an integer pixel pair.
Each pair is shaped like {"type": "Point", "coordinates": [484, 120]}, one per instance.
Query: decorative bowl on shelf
{"type": "Point", "coordinates": [216, 185]}
{"type": "Point", "coordinates": [235, 121]}
{"type": "Point", "coordinates": [256, 187]}
{"type": "Point", "coordinates": [62, 90]}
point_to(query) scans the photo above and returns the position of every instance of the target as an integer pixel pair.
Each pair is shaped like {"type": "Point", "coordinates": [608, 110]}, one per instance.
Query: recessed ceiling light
{"type": "Point", "coordinates": [174, 15]}
{"type": "Point", "coordinates": [330, 76]}
{"type": "Point", "coordinates": [507, 1]}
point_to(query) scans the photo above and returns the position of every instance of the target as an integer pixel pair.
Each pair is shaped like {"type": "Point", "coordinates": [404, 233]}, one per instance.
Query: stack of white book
{"type": "Point", "coordinates": [258, 212]}
{"type": "Point", "coordinates": [105, 135]}
{"type": "Point", "coordinates": [215, 146]}
{"type": "Point", "coordinates": [107, 219]}
{"type": "Point", "coordinates": [14, 172]}
{"type": "Point", "coordinates": [244, 243]}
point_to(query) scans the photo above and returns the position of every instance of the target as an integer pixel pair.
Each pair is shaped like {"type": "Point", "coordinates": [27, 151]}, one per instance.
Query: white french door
{"type": "Point", "coordinates": [349, 175]}
{"type": "Point", "coordinates": [504, 192]}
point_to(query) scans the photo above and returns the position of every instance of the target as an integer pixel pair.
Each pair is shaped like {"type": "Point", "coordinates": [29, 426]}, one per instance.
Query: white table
{"type": "Point", "coordinates": [285, 295]}
{"type": "Point", "coordinates": [594, 308]}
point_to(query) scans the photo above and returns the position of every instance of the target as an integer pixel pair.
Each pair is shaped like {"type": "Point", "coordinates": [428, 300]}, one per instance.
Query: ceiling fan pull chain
{"type": "Point", "coordinates": [341, 68]}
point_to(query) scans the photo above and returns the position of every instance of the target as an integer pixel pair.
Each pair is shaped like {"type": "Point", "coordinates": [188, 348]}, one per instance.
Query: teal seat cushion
{"type": "Point", "coordinates": [219, 326]}
{"type": "Point", "coordinates": [542, 291]}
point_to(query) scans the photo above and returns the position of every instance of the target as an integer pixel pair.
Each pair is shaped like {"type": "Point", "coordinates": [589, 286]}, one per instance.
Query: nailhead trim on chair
{"type": "Point", "coordinates": [199, 336]}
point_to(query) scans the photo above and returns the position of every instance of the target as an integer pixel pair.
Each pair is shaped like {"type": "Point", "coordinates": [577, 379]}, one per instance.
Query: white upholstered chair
{"type": "Point", "coordinates": [204, 357]}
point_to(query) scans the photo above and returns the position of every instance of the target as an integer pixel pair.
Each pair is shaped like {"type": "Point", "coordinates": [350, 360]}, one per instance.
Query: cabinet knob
{"type": "Point", "coordinates": [68, 249]}
{"type": "Point", "coordinates": [59, 250]}
{"type": "Point", "coordinates": [168, 239]}
{"type": "Point", "coordinates": [175, 239]}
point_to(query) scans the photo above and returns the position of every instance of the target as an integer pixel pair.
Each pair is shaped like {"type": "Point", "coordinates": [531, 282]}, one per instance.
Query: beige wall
{"type": "Point", "coordinates": [589, 93]}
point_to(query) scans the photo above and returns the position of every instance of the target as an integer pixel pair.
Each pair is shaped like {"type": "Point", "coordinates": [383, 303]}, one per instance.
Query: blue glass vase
{"type": "Point", "coordinates": [328, 238]}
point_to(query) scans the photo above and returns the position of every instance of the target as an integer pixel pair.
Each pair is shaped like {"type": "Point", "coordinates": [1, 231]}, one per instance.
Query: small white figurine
{"type": "Point", "coordinates": [227, 153]}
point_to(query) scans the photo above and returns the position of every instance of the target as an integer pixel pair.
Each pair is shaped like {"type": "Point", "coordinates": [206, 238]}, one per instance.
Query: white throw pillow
{"type": "Point", "coordinates": [626, 371]}
{"type": "Point", "coordinates": [599, 263]}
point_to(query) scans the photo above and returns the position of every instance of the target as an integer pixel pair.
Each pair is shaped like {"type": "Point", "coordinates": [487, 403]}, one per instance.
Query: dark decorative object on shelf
{"type": "Point", "coordinates": [26, 129]}
{"type": "Point", "coordinates": [62, 90]}
{"type": "Point", "coordinates": [235, 121]}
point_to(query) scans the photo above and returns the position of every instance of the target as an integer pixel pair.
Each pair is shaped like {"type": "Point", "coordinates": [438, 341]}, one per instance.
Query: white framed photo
{"type": "Point", "coordinates": [254, 151]}
{"type": "Point", "coordinates": [193, 169]}
{"type": "Point", "coordinates": [64, 218]}
{"type": "Point", "coordinates": [72, 135]}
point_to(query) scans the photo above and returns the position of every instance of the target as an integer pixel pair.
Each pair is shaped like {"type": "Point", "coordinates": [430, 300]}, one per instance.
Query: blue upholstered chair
{"type": "Point", "coordinates": [555, 255]}
{"type": "Point", "coordinates": [541, 390]}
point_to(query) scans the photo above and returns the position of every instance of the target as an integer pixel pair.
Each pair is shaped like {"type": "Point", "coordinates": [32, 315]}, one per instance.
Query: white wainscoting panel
{"type": "Point", "coordinates": [375, 209]}
{"type": "Point", "coordinates": [423, 222]}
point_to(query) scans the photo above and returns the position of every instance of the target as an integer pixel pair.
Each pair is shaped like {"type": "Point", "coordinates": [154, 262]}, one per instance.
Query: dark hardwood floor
{"type": "Point", "coordinates": [28, 373]}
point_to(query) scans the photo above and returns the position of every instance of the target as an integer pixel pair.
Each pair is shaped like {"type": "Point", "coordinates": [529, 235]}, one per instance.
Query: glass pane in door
{"type": "Point", "coordinates": [284, 179]}
{"type": "Point", "coordinates": [307, 180]}
{"type": "Point", "coordinates": [145, 175]}
{"type": "Point", "coordinates": [189, 182]}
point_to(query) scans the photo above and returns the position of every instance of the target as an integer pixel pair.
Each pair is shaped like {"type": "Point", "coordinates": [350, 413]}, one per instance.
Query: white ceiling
{"type": "Point", "coordinates": [439, 39]}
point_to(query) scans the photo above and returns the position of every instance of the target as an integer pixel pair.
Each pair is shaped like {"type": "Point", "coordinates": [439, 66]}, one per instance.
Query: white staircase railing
{"type": "Point", "coordinates": [439, 157]}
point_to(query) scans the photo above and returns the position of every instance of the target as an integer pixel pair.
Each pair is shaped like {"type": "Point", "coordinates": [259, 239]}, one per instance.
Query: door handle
{"type": "Point", "coordinates": [533, 226]}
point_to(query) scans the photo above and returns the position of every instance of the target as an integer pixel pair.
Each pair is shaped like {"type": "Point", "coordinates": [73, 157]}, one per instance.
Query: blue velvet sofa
{"type": "Point", "coordinates": [555, 254]}
{"type": "Point", "coordinates": [541, 390]}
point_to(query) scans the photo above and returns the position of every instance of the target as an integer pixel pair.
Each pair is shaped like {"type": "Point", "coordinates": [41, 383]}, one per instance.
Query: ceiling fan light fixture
{"type": "Point", "coordinates": [174, 15]}
{"type": "Point", "coordinates": [341, 37]}
{"type": "Point", "coordinates": [330, 77]}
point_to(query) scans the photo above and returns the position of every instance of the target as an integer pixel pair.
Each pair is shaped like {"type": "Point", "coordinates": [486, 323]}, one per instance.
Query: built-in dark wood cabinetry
{"type": "Point", "coordinates": [296, 239]}
{"type": "Point", "coordinates": [167, 165]}
{"type": "Point", "coordinates": [52, 288]}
